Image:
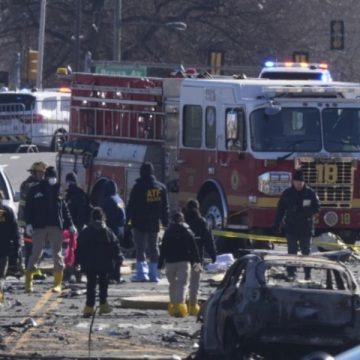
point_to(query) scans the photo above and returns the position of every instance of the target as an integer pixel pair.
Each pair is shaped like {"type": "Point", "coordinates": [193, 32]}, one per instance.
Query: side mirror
{"type": "Point", "coordinates": [272, 109]}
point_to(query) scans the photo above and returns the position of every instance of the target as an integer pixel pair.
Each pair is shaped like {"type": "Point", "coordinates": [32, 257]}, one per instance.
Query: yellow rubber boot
{"type": "Point", "coordinates": [180, 310]}
{"type": "Point", "coordinates": [58, 277]}
{"type": "Point", "coordinates": [171, 309]}
{"type": "Point", "coordinates": [105, 309]}
{"type": "Point", "coordinates": [88, 311]}
{"type": "Point", "coordinates": [2, 297]}
{"type": "Point", "coordinates": [29, 287]}
{"type": "Point", "coordinates": [194, 309]}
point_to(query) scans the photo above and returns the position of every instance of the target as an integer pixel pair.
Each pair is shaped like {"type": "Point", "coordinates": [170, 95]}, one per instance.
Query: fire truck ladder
{"type": "Point", "coordinates": [112, 112]}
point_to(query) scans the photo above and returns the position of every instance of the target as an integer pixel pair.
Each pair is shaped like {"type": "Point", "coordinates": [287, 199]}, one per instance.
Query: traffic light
{"type": "Point", "coordinates": [216, 61]}
{"type": "Point", "coordinates": [300, 57]}
{"type": "Point", "coordinates": [32, 61]}
{"type": "Point", "coordinates": [337, 35]}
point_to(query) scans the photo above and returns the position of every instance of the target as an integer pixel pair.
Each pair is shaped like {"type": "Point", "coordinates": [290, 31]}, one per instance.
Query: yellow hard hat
{"type": "Point", "coordinates": [38, 166]}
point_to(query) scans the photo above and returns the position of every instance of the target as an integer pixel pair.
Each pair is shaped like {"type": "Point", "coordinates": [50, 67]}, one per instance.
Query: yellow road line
{"type": "Point", "coordinates": [41, 302]}
{"type": "Point", "coordinates": [44, 299]}
{"type": "Point", "coordinates": [26, 336]}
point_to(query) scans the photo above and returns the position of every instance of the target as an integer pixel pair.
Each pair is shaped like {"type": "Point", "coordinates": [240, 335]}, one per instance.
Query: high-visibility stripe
{"type": "Point", "coordinates": [21, 138]}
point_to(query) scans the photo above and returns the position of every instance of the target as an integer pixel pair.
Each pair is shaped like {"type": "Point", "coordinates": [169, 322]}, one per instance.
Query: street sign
{"type": "Point", "coordinates": [125, 70]}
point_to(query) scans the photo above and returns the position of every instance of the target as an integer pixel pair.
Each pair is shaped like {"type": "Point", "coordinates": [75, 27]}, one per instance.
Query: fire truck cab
{"type": "Point", "coordinates": [232, 144]}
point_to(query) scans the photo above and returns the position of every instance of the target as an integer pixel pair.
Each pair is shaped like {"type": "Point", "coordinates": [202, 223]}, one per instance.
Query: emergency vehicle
{"type": "Point", "coordinates": [39, 118]}
{"type": "Point", "coordinates": [295, 71]}
{"type": "Point", "coordinates": [231, 143]}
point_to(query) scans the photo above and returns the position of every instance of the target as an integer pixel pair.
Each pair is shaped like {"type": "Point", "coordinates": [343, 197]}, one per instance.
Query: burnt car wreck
{"type": "Point", "coordinates": [258, 309]}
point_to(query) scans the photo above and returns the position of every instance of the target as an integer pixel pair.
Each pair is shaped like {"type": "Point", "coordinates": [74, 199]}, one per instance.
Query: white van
{"type": "Point", "coordinates": [40, 118]}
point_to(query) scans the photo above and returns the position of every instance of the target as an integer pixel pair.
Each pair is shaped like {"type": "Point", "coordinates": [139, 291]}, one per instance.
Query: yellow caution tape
{"type": "Point", "coordinates": [257, 237]}
{"type": "Point", "coordinates": [278, 239]}
{"type": "Point", "coordinates": [339, 246]}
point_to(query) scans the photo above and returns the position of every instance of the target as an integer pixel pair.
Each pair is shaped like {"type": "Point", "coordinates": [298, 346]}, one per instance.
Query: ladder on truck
{"type": "Point", "coordinates": [116, 108]}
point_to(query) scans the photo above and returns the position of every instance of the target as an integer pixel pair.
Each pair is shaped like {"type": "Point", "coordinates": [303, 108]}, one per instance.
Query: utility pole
{"type": "Point", "coordinates": [17, 77]}
{"type": "Point", "coordinates": [40, 62]}
{"type": "Point", "coordinates": [117, 30]}
{"type": "Point", "coordinates": [78, 35]}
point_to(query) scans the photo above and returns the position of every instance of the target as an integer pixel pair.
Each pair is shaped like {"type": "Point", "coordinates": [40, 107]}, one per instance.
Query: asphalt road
{"type": "Point", "coordinates": [44, 324]}
{"type": "Point", "coordinates": [47, 325]}
{"type": "Point", "coordinates": [16, 165]}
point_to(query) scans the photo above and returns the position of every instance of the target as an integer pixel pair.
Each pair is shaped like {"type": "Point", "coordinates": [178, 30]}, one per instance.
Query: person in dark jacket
{"type": "Point", "coordinates": [46, 216]}
{"type": "Point", "coordinates": [179, 252]}
{"type": "Point", "coordinates": [77, 201]}
{"type": "Point", "coordinates": [204, 241]}
{"type": "Point", "coordinates": [79, 206]}
{"type": "Point", "coordinates": [37, 171]}
{"type": "Point", "coordinates": [10, 240]}
{"type": "Point", "coordinates": [295, 211]}
{"type": "Point", "coordinates": [98, 248]}
{"type": "Point", "coordinates": [148, 206]}
{"type": "Point", "coordinates": [114, 209]}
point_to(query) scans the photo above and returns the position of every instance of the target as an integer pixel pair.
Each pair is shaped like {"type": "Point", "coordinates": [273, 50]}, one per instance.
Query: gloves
{"type": "Point", "coordinates": [29, 230]}
{"type": "Point", "coordinates": [72, 229]}
{"type": "Point", "coordinates": [197, 267]}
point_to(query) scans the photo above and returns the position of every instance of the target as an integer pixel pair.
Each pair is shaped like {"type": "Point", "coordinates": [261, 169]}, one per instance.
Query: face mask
{"type": "Point", "coordinates": [52, 181]}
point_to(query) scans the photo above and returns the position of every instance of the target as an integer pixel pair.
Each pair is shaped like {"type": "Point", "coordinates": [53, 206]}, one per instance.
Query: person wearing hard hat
{"type": "Point", "coordinates": [37, 171]}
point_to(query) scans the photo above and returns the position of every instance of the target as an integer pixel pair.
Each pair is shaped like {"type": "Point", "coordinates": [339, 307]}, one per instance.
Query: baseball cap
{"type": "Point", "coordinates": [50, 172]}
{"type": "Point", "coordinates": [298, 175]}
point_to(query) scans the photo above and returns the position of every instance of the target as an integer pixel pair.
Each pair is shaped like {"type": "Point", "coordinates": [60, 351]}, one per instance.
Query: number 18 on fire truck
{"type": "Point", "coordinates": [232, 144]}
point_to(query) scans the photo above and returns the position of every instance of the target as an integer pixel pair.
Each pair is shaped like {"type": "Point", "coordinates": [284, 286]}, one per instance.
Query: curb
{"type": "Point", "coordinates": [150, 302]}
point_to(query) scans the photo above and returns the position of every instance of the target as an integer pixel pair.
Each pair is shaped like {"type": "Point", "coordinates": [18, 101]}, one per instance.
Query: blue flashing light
{"type": "Point", "coordinates": [269, 64]}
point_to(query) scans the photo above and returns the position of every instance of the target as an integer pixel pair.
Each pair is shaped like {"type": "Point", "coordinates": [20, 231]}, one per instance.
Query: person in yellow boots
{"type": "Point", "coordinates": [10, 240]}
{"type": "Point", "coordinates": [178, 252]}
{"type": "Point", "coordinates": [97, 253]}
{"type": "Point", "coordinates": [46, 216]}
{"type": "Point", "coordinates": [204, 242]}
{"type": "Point", "coordinates": [37, 172]}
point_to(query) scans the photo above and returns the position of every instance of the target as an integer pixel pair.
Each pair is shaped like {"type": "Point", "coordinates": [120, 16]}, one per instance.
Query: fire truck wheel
{"type": "Point", "coordinates": [58, 139]}
{"type": "Point", "coordinates": [212, 210]}
{"type": "Point", "coordinates": [214, 214]}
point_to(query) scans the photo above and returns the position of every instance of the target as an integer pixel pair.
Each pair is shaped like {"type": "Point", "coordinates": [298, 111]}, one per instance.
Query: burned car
{"type": "Point", "coordinates": [258, 309]}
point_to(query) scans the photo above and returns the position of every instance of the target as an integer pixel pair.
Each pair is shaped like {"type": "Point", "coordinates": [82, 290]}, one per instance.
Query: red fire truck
{"type": "Point", "coordinates": [231, 143]}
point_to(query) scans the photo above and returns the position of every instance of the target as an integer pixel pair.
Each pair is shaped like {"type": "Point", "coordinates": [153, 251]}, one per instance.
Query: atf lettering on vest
{"type": "Point", "coordinates": [153, 195]}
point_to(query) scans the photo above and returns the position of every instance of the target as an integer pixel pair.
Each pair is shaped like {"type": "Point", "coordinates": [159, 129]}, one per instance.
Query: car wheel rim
{"type": "Point", "coordinates": [214, 217]}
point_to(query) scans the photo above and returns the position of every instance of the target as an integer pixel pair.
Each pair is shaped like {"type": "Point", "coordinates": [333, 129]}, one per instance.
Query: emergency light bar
{"type": "Point", "coordinates": [311, 89]}
{"type": "Point", "coordinates": [289, 64]}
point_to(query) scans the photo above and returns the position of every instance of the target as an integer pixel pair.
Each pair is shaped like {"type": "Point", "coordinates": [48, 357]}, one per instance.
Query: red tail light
{"type": "Point", "coordinates": [33, 119]}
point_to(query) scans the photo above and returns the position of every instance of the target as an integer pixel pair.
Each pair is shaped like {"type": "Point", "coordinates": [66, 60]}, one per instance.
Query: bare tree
{"type": "Point", "coordinates": [245, 32]}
